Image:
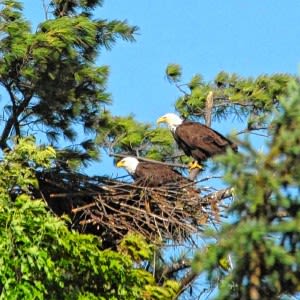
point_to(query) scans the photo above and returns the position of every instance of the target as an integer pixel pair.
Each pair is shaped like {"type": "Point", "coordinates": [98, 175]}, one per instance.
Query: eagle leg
{"type": "Point", "coordinates": [195, 165]}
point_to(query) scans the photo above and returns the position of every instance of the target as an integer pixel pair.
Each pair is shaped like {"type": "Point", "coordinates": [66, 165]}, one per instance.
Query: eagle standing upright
{"type": "Point", "coordinates": [195, 139]}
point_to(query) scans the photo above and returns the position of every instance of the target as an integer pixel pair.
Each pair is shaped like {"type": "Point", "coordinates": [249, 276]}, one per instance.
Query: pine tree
{"type": "Point", "coordinates": [254, 255]}
{"type": "Point", "coordinates": [53, 87]}
{"type": "Point", "coordinates": [264, 238]}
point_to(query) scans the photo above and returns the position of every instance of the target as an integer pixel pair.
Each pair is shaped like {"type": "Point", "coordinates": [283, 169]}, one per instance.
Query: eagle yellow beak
{"type": "Point", "coordinates": [120, 164]}
{"type": "Point", "coordinates": [161, 120]}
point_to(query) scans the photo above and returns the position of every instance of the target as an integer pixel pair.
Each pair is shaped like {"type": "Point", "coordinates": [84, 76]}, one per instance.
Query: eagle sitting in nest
{"type": "Point", "coordinates": [152, 174]}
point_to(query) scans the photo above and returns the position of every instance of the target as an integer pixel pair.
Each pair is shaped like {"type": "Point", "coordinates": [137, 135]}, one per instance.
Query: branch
{"type": "Point", "coordinates": [219, 195]}
{"type": "Point", "coordinates": [179, 87]}
{"type": "Point", "coordinates": [252, 128]}
{"type": "Point", "coordinates": [242, 102]}
{"type": "Point", "coordinates": [194, 173]}
{"type": "Point", "coordinates": [226, 102]}
{"type": "Point", "coordinates": [46, 8]}
{"type": "Point", "coordinates": [12, 120]}
{"type": "Point", "coordinates": [208, 108]}
{"type": "Point", "coordinates": [65, 7]}
{"type": "Point", "coordinates": [168, 271]}
{"type": "Point", "coordinates": [151, 160]}
{"type": "Point", "coordinates": [186, 282]}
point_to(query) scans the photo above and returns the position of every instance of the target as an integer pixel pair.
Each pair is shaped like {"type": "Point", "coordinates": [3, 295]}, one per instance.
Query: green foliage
{"type": "Point", "coordinates": [50, 75]}
{"type": "Point", "coordinates": [136, 247]}
{"type": "Point", "coordinates": [62, 7]}
{"type": "Point", "coordinates": [125, 135]}
{"type": "Point", "coordinates": [52, 82]}
{"type": "Point", "coordinates": [17, 170]}
{"type": "Point", "coordinates": [265, 239]}
{"type": "Point", "coordinates": [233, 95]}
{"type": "Point", "coordinates": [195, 82]}
{"type": "Point", "coordinates": [168, 291]}
{"type": "Point", "coordinates": [42, 259]}
{"type": "Point", "coordinates": [173, 72]}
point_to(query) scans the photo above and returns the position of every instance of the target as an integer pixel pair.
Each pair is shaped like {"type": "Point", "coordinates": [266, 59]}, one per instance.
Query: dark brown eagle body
{"type": "Point", "coordinates": [200, 141]}
{"type": "Point", "coordinates": [153, 175]}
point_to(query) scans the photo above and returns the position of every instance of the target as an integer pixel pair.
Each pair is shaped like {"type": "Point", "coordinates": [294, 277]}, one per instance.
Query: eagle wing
{"type": "Point", "coordinates": [152, 174]}
{"type": "Point", "coordinates": [200, 141]}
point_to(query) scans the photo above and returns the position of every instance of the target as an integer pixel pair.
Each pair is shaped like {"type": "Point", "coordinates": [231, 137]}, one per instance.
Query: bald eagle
{"type": "Point", "coordinates": [152, 174]}
{"type": "Point", "coordinates": [195, 139]}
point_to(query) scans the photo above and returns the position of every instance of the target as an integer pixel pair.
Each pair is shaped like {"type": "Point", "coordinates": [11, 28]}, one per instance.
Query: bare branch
{"type": "Point", "coordinates": [152, 161]}
{"type": "Point", "coordinates": [169, 270]}
{"type": "Point", "coordinates": [46, 9]}
{"type": "Point", "coordinates": [219, 195]}
{"type": "Point", "coordinates": [249, 130]}
{"type": "Point", "coordinates": [187, 281]}
{"type": "Point", "coordinates": [208, 108]}
{"type": "Point", "coordinates": [12, 121]}
{"type": "Point", "coordinates": [179, 87]}
{"type": "Point", "coordinates": [194, 173]}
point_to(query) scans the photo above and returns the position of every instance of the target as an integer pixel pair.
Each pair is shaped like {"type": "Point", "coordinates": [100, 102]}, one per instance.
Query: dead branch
{"type": "Point", "coordinates": [169, 270]}
{"type": "Point", "coordinates": [208, 108]}
{"type": "Point", "coordinates": [187, 281]}
{"type": "Point", "coordinates": [174, 165]}
{"type": "Point", "coordinates": [219, 195]}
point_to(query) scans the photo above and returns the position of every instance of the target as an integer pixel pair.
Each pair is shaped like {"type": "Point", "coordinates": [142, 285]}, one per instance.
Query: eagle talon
{"type": "Point", "coordinates": [194, 165]}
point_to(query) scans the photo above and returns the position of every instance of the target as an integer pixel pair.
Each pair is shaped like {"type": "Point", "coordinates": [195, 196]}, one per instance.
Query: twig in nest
{"type": "Point", "coordinates": [111, 208]}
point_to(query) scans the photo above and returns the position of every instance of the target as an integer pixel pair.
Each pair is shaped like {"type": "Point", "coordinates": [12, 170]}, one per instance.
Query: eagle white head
{"type": "Point", "coordinates": [172, 120]}
{"type": "Point", "coordinates": [129, 163]}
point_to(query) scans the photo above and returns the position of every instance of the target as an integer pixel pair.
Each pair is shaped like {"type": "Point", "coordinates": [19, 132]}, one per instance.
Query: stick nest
{"type": "Point", "coordinates": [111, 208]}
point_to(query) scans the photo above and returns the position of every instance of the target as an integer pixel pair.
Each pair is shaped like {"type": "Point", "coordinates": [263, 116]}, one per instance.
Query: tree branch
{"type": "Point", "coordinates": [249, 130]}
{"type": "Point", "coordinates": [168, 271]}
{"type": "Point", "coordinates": [46, 8]}
{"type": "Point", "coordinates": [219, 195]}
{"type": "Point", "coordinates": [152, 161]}
{"type": "Point", "coordinates": [208, 108]}
{"type": "Point", "coordinates": [13, 119]}
{"type": "Point", "coordinates": [65, 7]}
{"type": "Point", "coordinates": [186, 281]}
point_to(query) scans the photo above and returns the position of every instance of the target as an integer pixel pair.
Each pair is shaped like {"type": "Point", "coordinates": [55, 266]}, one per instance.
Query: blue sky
{"type": "Point", "coordinates": [247, 37]}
